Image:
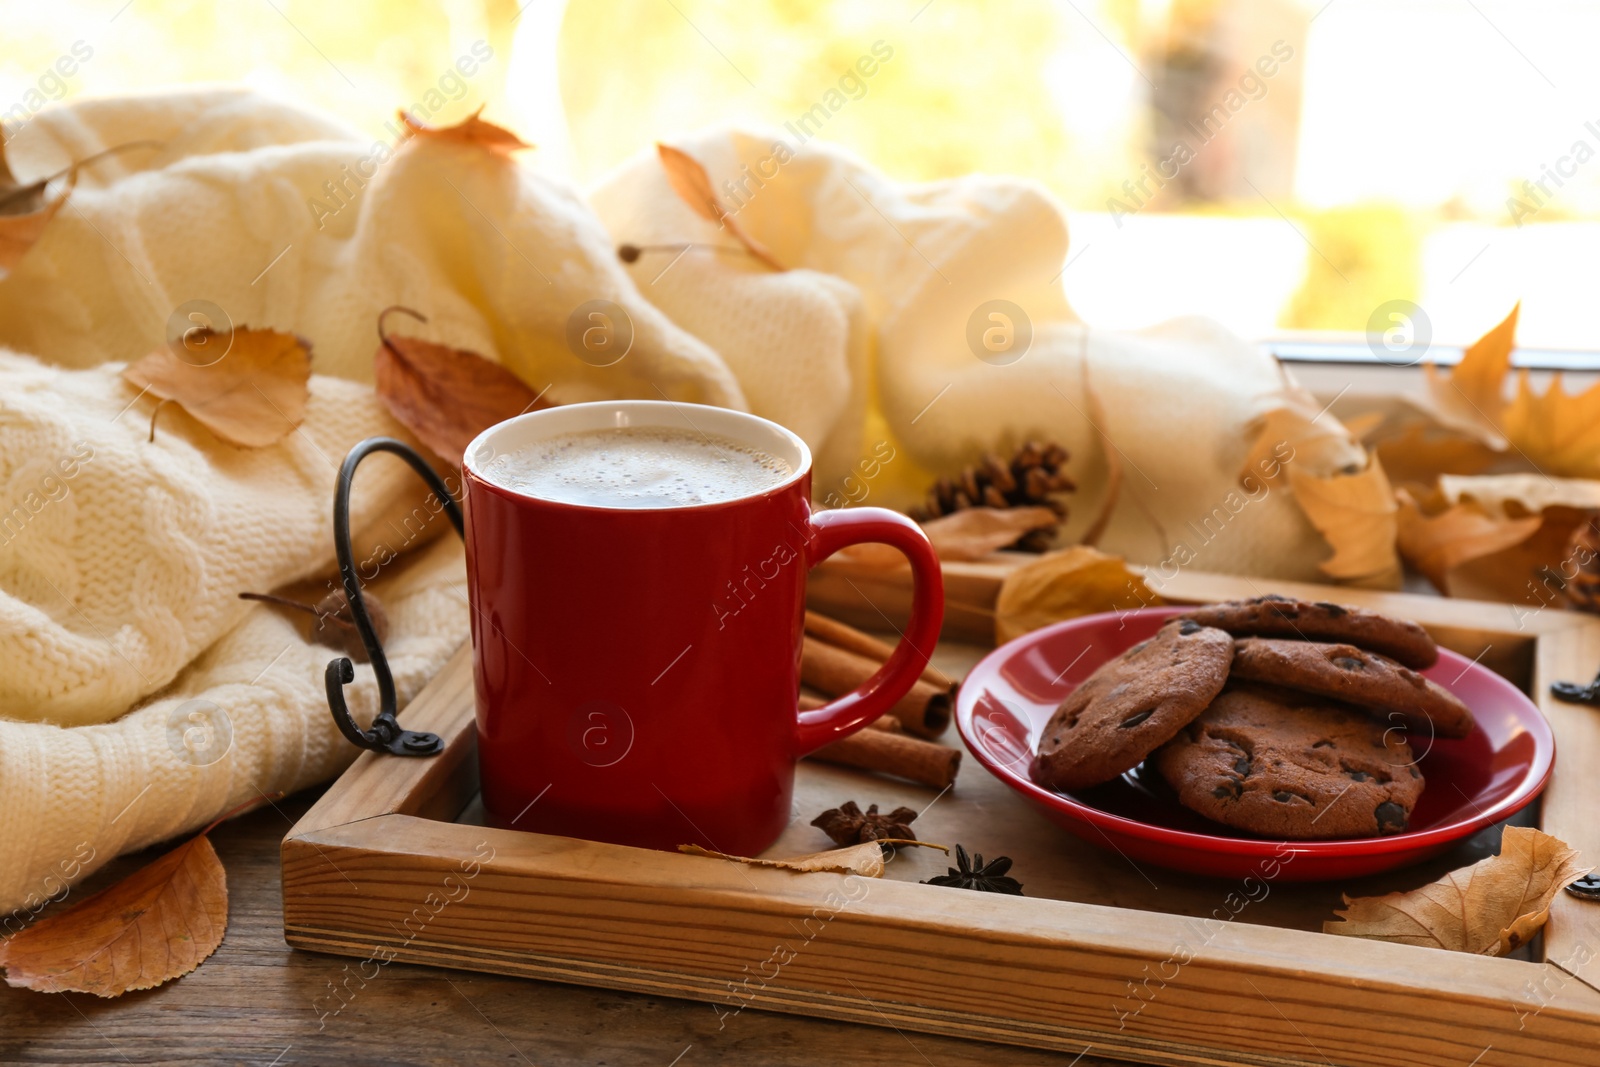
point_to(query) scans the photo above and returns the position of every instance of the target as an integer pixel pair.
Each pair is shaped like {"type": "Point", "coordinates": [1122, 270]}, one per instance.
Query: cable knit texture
{"type": "Point", "coordinates": [121, 561]}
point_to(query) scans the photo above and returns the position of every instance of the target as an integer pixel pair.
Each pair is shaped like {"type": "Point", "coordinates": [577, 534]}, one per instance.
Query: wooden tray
{"type": "Point", "coordinates": [1135, 962]}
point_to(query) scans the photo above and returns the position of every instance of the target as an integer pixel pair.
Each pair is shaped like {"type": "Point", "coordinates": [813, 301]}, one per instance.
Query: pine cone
{"type": "Point", "coordinates": [1029, 479]}
{"type": "Point", "coordinates": [1582, 590]}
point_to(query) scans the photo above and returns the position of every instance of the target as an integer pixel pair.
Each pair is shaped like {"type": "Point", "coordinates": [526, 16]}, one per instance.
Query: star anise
{"type": "Point", "coordinates": [973, 873]}
{"type": "Point", "coordinates": [849, 825]}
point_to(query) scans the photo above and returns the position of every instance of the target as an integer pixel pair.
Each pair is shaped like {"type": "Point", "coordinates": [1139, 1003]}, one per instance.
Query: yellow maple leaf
{"type": "Point", "coordinates": [1355, 513]}
{"type": "Point", "coordinates": [1558, 432]}
{"type": "Point", "coordinates": [1472, 397]}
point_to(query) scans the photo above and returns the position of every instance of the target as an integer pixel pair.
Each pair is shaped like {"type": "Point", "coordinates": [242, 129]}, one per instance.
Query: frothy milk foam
{"type": "Point", "coordinates": [637, 467]}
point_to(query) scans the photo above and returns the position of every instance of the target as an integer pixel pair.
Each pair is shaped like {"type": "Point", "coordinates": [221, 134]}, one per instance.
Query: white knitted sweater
{"type": "Point", "coordinates": [121, 561]}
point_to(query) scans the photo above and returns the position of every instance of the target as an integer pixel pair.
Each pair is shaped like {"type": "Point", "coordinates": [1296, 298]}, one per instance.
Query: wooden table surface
{"type": "Point", "coordinates": [254, 1003]}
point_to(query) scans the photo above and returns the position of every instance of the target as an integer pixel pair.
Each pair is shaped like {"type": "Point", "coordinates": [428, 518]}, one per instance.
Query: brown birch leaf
{"type": "Point", "coordinates": [157, 924]}
{"type": "Point", "coordinates": [446, 396]}
{"type": "Point", "coordinates": [25, 211]}
{"type": "Point", "coordinates": [473, 129]}
{"type": "Point", "coordinates": [972, 533]}
{"type": "Point", "coordinates": [1488, 909]}
{"type": "Point", "coordinates": [1063, 585]}
{"type": "Point", "coordinates": [693, 185]}
{"type": "Point", "coordinates": [864, 859]}
{"type": "Point", "coordinates": [252, 394]}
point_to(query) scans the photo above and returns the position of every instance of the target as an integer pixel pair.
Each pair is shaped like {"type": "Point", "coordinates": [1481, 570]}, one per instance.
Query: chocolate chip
{"type": "Point", "coordinates": [1189, 626]}
{"type": "Point", "coordinates": [1349, 663]}
{"type": "Point", "coordinates": [1324, 743]}
{"type": "Point", "coordinates": [1391, 817]}
{"type": "Point", "coordinates": [1241, 767]}
{"type": "Point", "coordinates": [1359, 776]}
{"type": "Point", "coordinates": [1137, 717]}
{"type": "Point", "coordinates": [1140, 647]}
{"type": "Point", "coordinates": [1228, 790]}
{"type": "Point", "coordinates": [1415, 773]}
{"type": "Point", "coordinates": [1281, 797]}
{"type": "Point", "coordinates": [1336, 610]}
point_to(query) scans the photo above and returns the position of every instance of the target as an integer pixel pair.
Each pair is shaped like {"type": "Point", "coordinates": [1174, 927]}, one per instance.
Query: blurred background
{"type": "Point", "coordinates": [1279, 165]}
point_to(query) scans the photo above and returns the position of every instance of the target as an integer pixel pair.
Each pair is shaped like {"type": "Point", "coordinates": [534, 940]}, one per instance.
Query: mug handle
{"type": "Point", "coordinates": [835, 529]}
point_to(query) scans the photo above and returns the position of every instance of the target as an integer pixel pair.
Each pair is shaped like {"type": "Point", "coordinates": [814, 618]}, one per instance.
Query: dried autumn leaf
{"type": "Point", "coordinates": [1530, 570]}
{"type": "Point", "coordinates": [1437, 544]}
{"type": "Point", "coordinates": [446, 396]}
{"type": "Point", "coordinates": [1063, 585]}
{"type": "Point", "coordinates": [334, 624]}
{"type": "Point", "coordinates": [1421, 453]}
{"type": "Point", "coordinates": [1522, 493]}
{"type": "Point", "coordinates": [25, 211]}
{"type": "Point", "coordinates": [1557, 432]}
{"type": "Point", "coordinates": [693, 185]}
{"type": "Point", "coordinates": [865, 859]}
{"type": "Point", "coordinates": [155, 925]}
{"type": "Point", "coordinates": [978, 532]}
{"type": "Point", "coordinates": [253, 395]}
{"type": "Point", "coordinates": [1488, 909]}
{"type": "Point", "coordinates": [1472, 397]}
{"type": "Point", "coordinates": [471, 130]}
{"type": "Point", "coordinates": [1355, 513]}
{"type": "Point", "coordinates": [1301, 431]}
{"type": "Point", "coordinates": [961, 535]}
{"type": "Point", "coordinates": [1363, 425]}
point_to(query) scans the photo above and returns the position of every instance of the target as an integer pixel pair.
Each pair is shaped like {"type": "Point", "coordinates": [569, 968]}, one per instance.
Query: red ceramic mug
{"type": "Point", "coordinates": [637, 669]}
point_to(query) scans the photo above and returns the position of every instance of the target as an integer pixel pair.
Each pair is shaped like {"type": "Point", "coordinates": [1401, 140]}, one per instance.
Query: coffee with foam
{"type": "Point", "coordinates": [638, 467]}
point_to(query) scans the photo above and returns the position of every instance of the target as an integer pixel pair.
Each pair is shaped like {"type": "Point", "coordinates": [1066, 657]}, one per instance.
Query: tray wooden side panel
{"type": "Point", "coordinates": [1046, 973]}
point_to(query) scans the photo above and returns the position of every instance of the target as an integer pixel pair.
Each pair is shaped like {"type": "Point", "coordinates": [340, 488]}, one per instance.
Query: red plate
{"type": "Point", "coordinates": [1472, 783]}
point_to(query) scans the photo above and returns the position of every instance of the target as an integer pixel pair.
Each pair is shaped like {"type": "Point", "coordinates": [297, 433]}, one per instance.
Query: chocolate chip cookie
{"type": "Point", "coordinates": [1288, 765]}
{"type": "Point", "coordinates": [1280, 616]}
{"type": "Point", "coordinates": [1132, 705]}
{"type": "Point", "coordinates": [1356, 676]}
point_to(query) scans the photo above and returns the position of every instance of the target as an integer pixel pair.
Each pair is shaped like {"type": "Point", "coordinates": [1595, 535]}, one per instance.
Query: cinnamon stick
{"type": "Point", "coordinates": [847, 637]}
{"type": "Point", "coordinates": [898, 754]}
{"type": "Point", "coordinates": [924, 710]}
